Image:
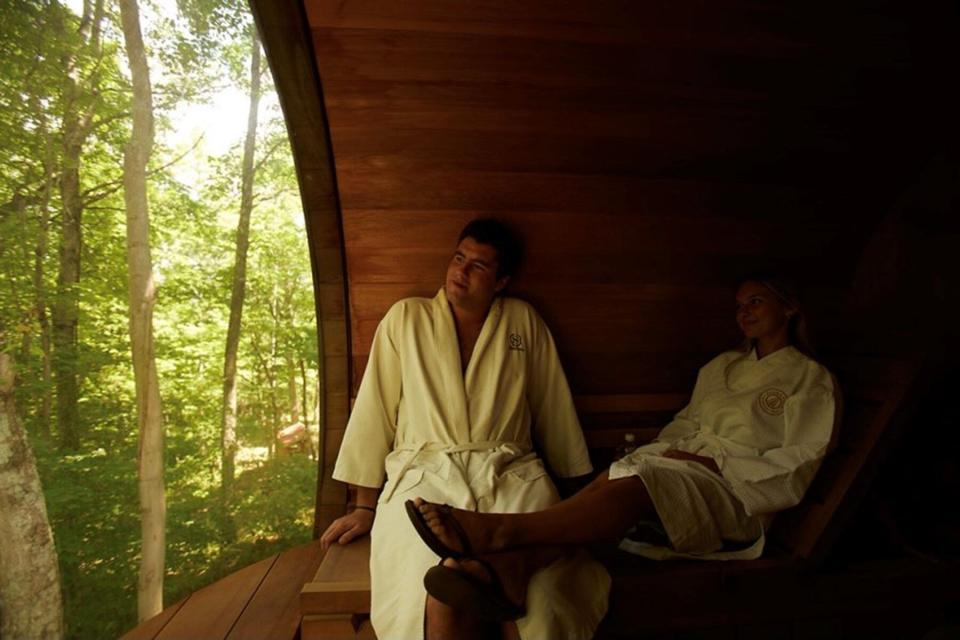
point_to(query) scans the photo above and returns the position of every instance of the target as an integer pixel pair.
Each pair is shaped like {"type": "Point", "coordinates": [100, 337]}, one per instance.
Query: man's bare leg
{"type": "Point", "coordinates": [603, 511]}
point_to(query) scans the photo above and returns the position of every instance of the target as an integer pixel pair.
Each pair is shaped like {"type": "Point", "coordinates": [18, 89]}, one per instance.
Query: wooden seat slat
{"type": "Point", "coordinates": [609, 438]}
{"type": "Point", "coordinates": [624, 403]}
{"type": "Point", "coordinates": [258, 601]}
{"type": "Point", "coordinates": [211, 612]}
{"type": "Point", "coordinates": [149, 629]}
{"type": "Point", "coordinates": [274, 609]}
{"type": "Point", "coordinates": [342, 582]}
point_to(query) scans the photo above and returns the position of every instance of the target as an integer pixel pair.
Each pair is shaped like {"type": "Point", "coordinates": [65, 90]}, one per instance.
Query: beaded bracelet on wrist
{"type": "Point", "coordinates": [362, 506]}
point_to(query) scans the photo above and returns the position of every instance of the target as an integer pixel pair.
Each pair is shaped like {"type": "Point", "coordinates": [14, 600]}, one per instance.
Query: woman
{"type": "Point", "coordinates": [747, 446]}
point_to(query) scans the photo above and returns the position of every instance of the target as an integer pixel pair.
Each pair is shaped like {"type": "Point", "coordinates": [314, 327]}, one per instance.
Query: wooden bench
{"type": "Point", "coordinates": [258, 601]}
{"type": "Point", "coordinates": [878, 394]}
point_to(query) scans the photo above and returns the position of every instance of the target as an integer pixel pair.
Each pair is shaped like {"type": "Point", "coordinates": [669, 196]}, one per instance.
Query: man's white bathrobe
{"type": "Point", "coordinates": [466, 439]}
{"type": "Point", "coordinates": [766, 423]}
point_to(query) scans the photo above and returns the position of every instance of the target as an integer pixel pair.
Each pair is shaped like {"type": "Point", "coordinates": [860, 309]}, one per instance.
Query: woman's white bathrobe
{"type": "Point", "coordinates": [766, 423]}
{"type": "Point", "coordinates": [466, 439]}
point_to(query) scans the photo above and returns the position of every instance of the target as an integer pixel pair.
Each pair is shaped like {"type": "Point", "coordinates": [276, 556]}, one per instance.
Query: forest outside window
{"type": "Point", "coordinates": [157, 326]}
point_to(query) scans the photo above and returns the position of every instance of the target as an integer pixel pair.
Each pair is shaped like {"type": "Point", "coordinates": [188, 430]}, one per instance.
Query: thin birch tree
{"type": "Point", "coordinates": [142, 292]}
{"type": "Point", "coordinates": [238, 292]}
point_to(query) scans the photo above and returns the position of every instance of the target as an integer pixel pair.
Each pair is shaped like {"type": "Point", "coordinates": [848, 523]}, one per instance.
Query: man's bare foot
{"type": "Point", "coordinates": [483, 531]}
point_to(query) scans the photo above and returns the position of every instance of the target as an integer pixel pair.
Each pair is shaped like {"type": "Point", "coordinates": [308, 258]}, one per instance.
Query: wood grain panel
{"type": "Point", "coordinates": [274, 611]}
{"type": "Point", "coordinates": [563, 230]}
{"type": "Point", "coordinates": [332, 446]}
{"type": "Point", "coordinates": [634, 255]}
{"type": "Point", "coordinates": [651, 324]}
{"type": "Point", "coordinates": [335, 378]}
{"type": "Point", "coordinates": [474, 192]}
{"type": "Point", "coordinates": [371, 301]}
{"type": "Point", "coordinates": [212, 611]}
{"type": "Point", "coordinates": [342, 583]}
{"type": "Point", "coordinates": [732, 26]}
{"type": "Point", "coordinates": [597, 373]}
{"type": "Point", "coordinates": [337, 408]}
{"type": "Point", "coordinates": [149, 629]}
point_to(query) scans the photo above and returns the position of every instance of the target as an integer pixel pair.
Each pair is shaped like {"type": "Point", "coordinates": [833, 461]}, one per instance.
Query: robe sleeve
{"type": "Point", "coordinates": [556, 428]}
{"type": "Point", "coordinates": [778, 478]}
{"type": "Point", "coordinates": [373, 421]}
{"type": "Point", "coordinates": [684, 424]}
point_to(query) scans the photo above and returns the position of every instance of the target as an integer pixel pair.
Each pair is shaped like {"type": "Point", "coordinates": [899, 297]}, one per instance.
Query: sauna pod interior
{"type": "Point", "coordinates": [649, 154]}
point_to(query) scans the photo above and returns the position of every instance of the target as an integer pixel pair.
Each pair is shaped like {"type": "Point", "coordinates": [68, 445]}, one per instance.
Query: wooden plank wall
{"type": "Point", "coordinates": [648, 153]}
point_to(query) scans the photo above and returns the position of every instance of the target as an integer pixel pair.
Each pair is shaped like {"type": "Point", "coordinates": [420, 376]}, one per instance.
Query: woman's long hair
{"type": "Point", "coordinates": [797, 332]}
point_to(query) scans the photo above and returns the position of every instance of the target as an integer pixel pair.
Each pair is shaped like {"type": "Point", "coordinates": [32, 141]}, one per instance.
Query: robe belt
{"type": "Point", "coordinates": [483, 445]}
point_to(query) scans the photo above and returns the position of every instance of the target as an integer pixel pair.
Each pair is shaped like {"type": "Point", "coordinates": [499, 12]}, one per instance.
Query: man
{"type": "Point", "coordinates": [459, 394]}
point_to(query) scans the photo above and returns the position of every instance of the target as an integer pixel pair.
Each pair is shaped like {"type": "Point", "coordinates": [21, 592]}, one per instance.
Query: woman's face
{"type": "Point", "coordinates": [760, 313]}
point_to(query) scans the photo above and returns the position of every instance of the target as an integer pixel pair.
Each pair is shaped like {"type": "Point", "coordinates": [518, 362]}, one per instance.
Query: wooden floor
{"type": "Point", "coordinates": [258, 601]}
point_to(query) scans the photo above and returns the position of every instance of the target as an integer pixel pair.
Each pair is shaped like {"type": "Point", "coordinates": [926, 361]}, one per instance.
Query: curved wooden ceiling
{"type": "Point", "coordinates": [647, 152]}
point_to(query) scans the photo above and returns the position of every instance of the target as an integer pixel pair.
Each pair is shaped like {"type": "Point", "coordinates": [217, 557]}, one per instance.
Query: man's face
{"type": "Point", "coordinates": [472, 279]}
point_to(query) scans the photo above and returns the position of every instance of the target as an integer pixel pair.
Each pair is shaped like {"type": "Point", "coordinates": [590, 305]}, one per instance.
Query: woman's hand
{"type": "Point", "coordinates": [709, 463]}
{"type": "Point", "coordinates": [347, 528]}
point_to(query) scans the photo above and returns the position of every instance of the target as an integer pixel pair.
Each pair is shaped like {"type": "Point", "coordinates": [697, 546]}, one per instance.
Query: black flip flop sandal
{"type": "Point", "coordinates": [429, 537]}
{"type": "Point", "coordinates": [465, 592]}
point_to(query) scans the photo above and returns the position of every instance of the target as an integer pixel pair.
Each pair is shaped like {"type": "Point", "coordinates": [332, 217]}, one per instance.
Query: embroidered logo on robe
{"type": "Point", "coordinates": [516, 342]}
{"type": "Point", "coordinates": [771, 401]}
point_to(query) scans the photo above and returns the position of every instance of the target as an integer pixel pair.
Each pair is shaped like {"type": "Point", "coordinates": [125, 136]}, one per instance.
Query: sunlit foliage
{"type": "Point", "coordinates": [91, 493]}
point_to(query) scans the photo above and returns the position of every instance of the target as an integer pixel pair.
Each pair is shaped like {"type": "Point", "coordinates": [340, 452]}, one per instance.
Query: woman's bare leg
{"type": "Point", "coordinates": [602, 511]}
{"type": "Point", "coordinates": [513, 569]}
{"type": "Point", "coordinates": [443, 622]}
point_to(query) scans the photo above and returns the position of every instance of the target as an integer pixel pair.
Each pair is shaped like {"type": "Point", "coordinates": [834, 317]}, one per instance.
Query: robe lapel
{"type": "Point", "coordinates": [448, 356]}
{"type": "Point", "coordinates": [483, 341]}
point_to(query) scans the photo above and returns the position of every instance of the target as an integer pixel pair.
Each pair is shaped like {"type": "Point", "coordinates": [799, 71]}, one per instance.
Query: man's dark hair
{"type": "Point", "coordinates": [495, 233]}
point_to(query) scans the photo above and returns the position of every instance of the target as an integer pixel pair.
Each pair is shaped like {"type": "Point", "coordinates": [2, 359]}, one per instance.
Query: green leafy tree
{"type": "Point", "coordinates": [87, 474]}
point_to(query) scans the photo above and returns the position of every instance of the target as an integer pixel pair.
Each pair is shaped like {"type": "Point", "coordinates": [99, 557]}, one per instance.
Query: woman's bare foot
{"type": "Point", "coordinates": [497, 585]}
{"type": "Point", "coordinates": [478, 588]}
{"type": "Point", "coordinates": [502, 567]}
{"type": "Point", "coordinates": [483, 531]}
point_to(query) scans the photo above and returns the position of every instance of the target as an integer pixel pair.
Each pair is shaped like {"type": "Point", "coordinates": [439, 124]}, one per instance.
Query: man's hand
{"type": "Point", "coordinates": [709, 463]}
{"type": "Point", "coordinates": [347, 528]}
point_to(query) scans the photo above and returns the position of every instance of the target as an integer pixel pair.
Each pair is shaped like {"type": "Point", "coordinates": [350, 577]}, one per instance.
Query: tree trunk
{"type": "Point", "coordinates": [39, 279]}
{"type": "Point", "coordinates": [261, 375]}
{"type": "Point", "coordinates": [80, 104]}
{"type": "Point", "coordinates": [306, 417]}
{"type": "Point", "coordinates": [229, 423]}
{"type": "Point", "coordinates": [66, 311]}
{"type": "Point", "coordinates": [272, 369]}
{"type": "Point", "coordinates": [292, 401]}
{"type": "Point", "coordinates": [142, 292]}
{"type": "Point", "coordinates": [30, 603]}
